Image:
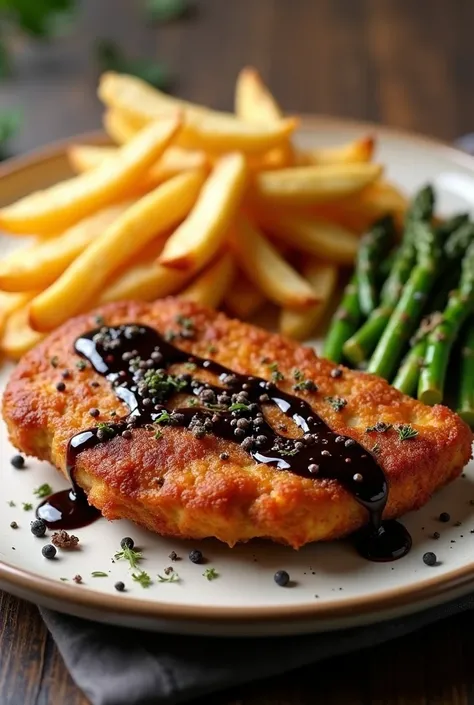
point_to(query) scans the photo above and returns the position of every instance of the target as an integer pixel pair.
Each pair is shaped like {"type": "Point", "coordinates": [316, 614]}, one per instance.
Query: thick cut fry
{"type": "Point", "coordinates": [18, 337]}
{"type": "Point", "coordinates": [69, 201]}
{"type": "Point", "coordinates": [243, 298]}
{"type": "Point", "coordinates": [202, 129]}
{"type": "Point", "coordinates": [267, 269]}
{"type": "Point", "coordinates": [322, 238]}
{"type": "Point", "coordinates": [145, 280]}
{"type": "Point", "coordinates": [39, 265]}
{"type": "Point", "coordinates": [210, 286]}
{"type": "Point", "coordinates": [255, 103]}
{"type": "Point", "coordinates": [118, 127]}
{"type": "Point", "coordinates": [198, 239]}
{"type": "Point", "coordinates": [174, 161]}
{"type": "Point", "coordinates": [81, 283]}
{"type": "Point", "coordinates": [253, 100]}
{"type": "Point", "coordinates": [11, 302]}
{"type": "Point", "coordinates": [360, 150]}
{"type": "Point", "coordinates": [301, 324]}
{"type": "Point", "coordinates": [307, 185]}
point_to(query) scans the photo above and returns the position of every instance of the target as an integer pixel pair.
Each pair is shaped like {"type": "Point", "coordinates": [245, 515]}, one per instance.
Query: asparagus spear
{"type": "Point", "coordinates": [344, 322]}
{"type": "Point", "coordinates": [409, 308]}
{"type": "Point", "coordinates": [466, 377]}
{"type": "Point", "coordinates": [372, 249]}
{"type": "Point", "coordinates": [406, 379]}
{"type": "Point", "coordinates": [360, 345]}
{"type": "Point", "coordinates": [441, 340]}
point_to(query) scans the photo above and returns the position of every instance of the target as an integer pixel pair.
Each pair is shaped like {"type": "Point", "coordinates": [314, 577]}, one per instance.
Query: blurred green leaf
{"type": "Point", "coordinates": [110, 57]}
{"type": "Point", "coordinates": [36, 17]}
{"type": "Point", "coordinates": [167, 10]}
{"type": "Point", "coordinates": [10, 123]}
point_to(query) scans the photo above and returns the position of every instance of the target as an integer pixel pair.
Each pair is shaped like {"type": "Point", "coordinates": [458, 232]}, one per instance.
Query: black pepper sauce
{"type": "Point", "coordinates": [135, 359]}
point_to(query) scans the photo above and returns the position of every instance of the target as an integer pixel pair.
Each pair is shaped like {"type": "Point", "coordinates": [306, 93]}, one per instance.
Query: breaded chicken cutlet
{"type": "Point", "coordinates": [276, 451]}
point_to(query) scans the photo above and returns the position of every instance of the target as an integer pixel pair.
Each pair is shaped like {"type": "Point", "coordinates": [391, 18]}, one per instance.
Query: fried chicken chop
{"type": "Point", "coordinates": [178, 484]}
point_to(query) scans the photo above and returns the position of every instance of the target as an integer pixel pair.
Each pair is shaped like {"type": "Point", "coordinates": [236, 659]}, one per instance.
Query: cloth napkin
{"type": "Point", "coordinates": [117, 666]}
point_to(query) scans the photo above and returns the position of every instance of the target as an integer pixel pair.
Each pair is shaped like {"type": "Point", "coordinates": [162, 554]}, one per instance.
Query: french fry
{"type": "Point", "coordinates": [255, 103]}
{"type": "Point", "coordinates": [145, 280]}
{"type": "Point", "coordinates": [198, 239]}
{"type": "Point", "coordinates": [355, 152]}
{"type": "Point", "coordinates": [11, 302]}
{"type": "Point", "coordinates": [321, 238]}
{"type": "Point", "coordinates": [153, 214]}
{"type": "Point", "coordinates": [210, 286]}
{"type": "Point", "coordinates": [243, 298]}
{"type": "Point", "coordinates": [65, 203]}
{"type": "Point", "coordinates": [118, 127]}
{"type": "Point", "coordinates": [174, 161]}
{"type": "Point", "coordinates": [203, 128]}
{"type": "Point", "coordinates": [302, 324]}
{"type": "Point", "coordinates": [40, 264]}
{"type": "Point", "coordinates": [253, 100]}
{"type": "Point", "coordinates": [268, 270]}
{"type": "Point", "coordinates": [18, 337]}
{"type": "Point", "coordinates": [307, 185]}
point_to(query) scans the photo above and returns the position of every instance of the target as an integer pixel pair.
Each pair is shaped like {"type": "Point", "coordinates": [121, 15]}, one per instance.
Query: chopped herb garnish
{"type": "Point", "coordinates": [161, 384]}
{"type": "Point", "coordinates": [43, 490]}
{"type": "Point", "coordinates": [212, 349]}
{"type": "Point", "coordinates": [298, 375]}
{"type": "Point", "coordinates": [238, 407]}
{"type": "Point", "coordinates": [157, 435]}
{"type": "Point", "coordinates": [190, 366]}
{"type": "Point", "coordinates": [211, 573]}
{"type": "Point", "coordinates": [99, 574]}
{"type": "Point", "coordinates": [192, 402]}
{"type": "Point", "coordinates": [170, 335]}
{"type": "Point", "coordinates": [380, 427]}
{"type": "Point", "coordinates": [376, 449]}
{"type": "Point", "coordinates": [27, 506]}
{"type": "Point", "coordinates": [164, 417]}
{"type": "Point", "coordinates": [130, 555]}
{"type": "Point", "coordinates": [81, 365]}
{"type": "Point", "coordinates": [337, 403]}
{"type": "Point", "coordinates": [106, 430]}
{"type": "Point", "coordinates": [142, 578]}
{"type": "Point", "coordinates": [187, 323]}
{"type": "Point", "coordinates": [54, 361]}
{"type": "Point", "coordinates": [64, 579]}
{"type": "Point", "coordinates": [276, 374]}
{"type": "Point", "coordinates": [99, 320]}
{"type": "Point", "coordinates": [405, 432]}
{"type": "Point", "coordinates": [11, 503]}
{"type": "Point", "coordinates": [287, 451]}
{"type": "Point", "coordinates": [171, 578]}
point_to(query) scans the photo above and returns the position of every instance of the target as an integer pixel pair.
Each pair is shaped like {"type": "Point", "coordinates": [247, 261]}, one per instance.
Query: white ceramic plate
{"type": "Point", "coordinates": [332, 587]}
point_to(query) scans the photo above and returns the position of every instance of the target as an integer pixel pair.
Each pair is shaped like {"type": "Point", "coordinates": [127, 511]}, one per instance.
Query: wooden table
{"type": "Point", "coordinates": [403, 63]}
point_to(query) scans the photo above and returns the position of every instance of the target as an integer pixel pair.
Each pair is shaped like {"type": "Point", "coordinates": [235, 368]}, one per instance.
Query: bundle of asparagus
{"type": "Point", "coordinates": [408, 309]}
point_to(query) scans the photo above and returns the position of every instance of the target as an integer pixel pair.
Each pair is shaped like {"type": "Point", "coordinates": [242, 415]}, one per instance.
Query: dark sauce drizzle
{"type": "Point", "coordinates": [135, 359]}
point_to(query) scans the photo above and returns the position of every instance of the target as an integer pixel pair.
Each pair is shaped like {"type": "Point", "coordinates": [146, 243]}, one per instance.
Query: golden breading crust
{"type": "Point", "coordinates": [199, 494]}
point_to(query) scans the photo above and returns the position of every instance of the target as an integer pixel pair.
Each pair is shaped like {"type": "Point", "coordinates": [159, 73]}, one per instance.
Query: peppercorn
{"type": "Point", "coordinates": [444, 517]}
{"type": "Point", "coordinates": [18, 462]}
{"type": "Point", "coordinates": [77, 579]}
{"type": "Point", "coordinates": [337, 372]}
{"type": "Point", "coordinates": [195, 556]}
{"type": "Point", "coordinates": [127, 542]}
{"type": "Point", "coordinates": [94, 412]}
{"type": "Point", "coordinates": [60, 386]}
{"type": "Point", "coordinates": [120, 587]}
{"type": "Point", "coordinates": [429, 558]}
{"type": "Point", "coordinates": [224, 456]}
{"type": "Point", "coordinates": [13, 525]}
{"type": "Point", "coordinates": [281, 578]}
{"type": "Point", "coordinates": [38, 528]}
{"type": "Point", "coordinates": [127, 433]}
{"type": "Point", "coordinates": [48, 551]}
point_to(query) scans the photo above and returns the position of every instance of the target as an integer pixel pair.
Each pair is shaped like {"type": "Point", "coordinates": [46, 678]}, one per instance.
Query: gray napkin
{"type": "Point", "coordinates": [117, 666]}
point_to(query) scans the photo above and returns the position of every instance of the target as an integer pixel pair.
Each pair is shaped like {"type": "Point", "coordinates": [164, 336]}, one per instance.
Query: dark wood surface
{"type": "Point", "coordinates": [404, 63]}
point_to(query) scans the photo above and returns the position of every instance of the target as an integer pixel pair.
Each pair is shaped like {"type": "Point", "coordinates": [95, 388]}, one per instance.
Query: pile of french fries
{"type": "Point", "coordinates": [222, 209]}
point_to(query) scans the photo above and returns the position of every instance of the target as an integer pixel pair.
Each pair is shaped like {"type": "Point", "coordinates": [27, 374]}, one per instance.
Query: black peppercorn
{"type": "Point", "coordinates": [429, 558]}
{"type": "Point", "coordinates": [18, 462]}
{"type": "Point", "coordinates": [60, 386]}
{"type": "Point", "coordinates": [127, 542]}
{"type": "Point", "coordinates": [281, 578]}
{"type": "Point", "coordinates": [195, 556]}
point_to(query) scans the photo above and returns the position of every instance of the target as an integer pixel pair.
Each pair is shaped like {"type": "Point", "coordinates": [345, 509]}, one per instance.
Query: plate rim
{"type": "Point", "coordinates": [437, 587]}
